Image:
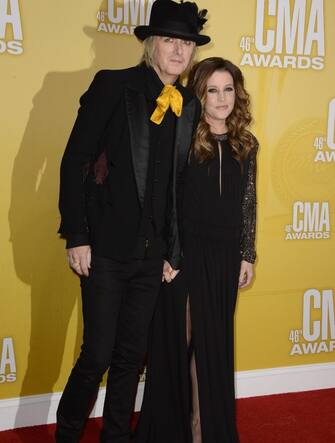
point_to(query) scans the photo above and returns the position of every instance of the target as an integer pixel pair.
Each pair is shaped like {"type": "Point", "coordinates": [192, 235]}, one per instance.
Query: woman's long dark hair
{"type": "Point", "coordinates": [240, 139]}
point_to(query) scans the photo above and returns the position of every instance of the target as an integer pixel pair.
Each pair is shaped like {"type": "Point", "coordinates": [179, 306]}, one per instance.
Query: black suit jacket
{"type": "Point", "coordinates": [113, 116]}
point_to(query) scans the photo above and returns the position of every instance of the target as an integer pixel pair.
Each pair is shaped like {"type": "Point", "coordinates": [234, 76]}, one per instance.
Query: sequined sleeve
{"type": "Point", "coordinates": [249, 201]}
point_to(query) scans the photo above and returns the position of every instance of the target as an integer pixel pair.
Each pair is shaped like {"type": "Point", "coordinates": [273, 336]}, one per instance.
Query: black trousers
{"type": "Point", "coordinates": [118, 304]}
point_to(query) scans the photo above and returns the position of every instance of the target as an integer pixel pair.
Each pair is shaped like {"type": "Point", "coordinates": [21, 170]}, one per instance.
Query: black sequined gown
{"type": "Point", "coordinates": [218, 218]}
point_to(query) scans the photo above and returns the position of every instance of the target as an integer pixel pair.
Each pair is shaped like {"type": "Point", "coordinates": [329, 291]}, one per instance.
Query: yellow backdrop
{"type": "Point", "coordinates": [49, 52]}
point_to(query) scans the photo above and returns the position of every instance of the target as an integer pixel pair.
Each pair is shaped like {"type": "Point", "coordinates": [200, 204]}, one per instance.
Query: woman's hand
{"type": "Point", "coordinates": [79, 259]}
{"type": "Point", "coordinates": [246, 274]}
{"type": "Point", "coordinates": [168, 272]}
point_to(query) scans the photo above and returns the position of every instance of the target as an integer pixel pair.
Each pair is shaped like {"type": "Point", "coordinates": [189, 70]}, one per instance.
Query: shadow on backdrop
{"type": "Point", "coordinates": [39, 255]}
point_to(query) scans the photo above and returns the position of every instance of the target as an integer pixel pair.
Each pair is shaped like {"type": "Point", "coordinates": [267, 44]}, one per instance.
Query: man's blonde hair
{"type": "Point", "coordinates": [148, 51]}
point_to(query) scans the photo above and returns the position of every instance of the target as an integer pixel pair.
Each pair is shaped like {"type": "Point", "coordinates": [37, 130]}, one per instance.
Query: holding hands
{"type": "Point", "coordinates": [168, 272]}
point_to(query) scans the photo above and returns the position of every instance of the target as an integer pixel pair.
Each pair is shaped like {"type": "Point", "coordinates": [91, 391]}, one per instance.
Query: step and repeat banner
{"type": "Point", "coordinates": [49, 53]}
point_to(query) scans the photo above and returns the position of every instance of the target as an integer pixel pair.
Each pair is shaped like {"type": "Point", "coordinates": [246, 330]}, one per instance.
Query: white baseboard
{"type": "Point", "coordinates": [285, 379]}
{"type": "Point", "coordinates": [41, 409]}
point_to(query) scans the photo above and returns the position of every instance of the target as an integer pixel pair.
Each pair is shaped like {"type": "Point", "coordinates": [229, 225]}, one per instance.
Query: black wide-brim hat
{"type": "Point", "coordinates": [171, 19]}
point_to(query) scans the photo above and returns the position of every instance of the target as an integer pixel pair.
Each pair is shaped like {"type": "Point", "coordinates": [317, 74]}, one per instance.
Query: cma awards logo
{"type": "Point", "coordinates": [310, 221]}
{"type": "Point", "coordinates": [11, 36]}
{"type": "Point", "coordinates": [325, 145]}
{"type": "Point", "coordinates": [318, 326]}
{"type": "Point", "coordinates": [289, 34]}
{"type": "Point", "coordinates": [7, 361]}
{"type": "Point", "coordinates": [122, 18]}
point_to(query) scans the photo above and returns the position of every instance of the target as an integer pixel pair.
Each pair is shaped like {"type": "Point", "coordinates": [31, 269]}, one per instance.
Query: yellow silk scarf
{"type": "Point", "coordinates": [170, 96]}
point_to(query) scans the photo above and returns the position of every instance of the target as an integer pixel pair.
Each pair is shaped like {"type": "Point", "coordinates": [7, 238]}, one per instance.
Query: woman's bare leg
{"type": "Point", "coordinates": [195, 416]}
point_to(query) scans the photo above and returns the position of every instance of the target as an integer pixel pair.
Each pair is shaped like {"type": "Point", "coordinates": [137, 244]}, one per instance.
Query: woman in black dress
{"type": "Point", "coordinates": [189, 394]}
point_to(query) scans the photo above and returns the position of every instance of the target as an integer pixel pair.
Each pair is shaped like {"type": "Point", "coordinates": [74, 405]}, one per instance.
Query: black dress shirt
{"type": "Point", "coordinates": [151, 240]}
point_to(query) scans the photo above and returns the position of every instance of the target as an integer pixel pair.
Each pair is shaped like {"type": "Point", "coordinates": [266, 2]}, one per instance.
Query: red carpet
{"type": "Point", "coordinates": [307, 417]}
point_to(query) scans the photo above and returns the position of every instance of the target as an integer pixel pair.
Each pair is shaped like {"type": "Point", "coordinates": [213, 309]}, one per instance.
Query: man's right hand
{"type": "Point", "coordinates": [79, 259]}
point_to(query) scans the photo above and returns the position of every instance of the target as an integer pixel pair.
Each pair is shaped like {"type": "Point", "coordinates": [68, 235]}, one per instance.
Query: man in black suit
{"type": "Point", "coordinates": [119, 177]}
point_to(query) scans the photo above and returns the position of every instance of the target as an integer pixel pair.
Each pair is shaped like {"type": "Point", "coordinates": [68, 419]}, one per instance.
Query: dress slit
{"type": "Point", "coordinates": [195, 416]}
